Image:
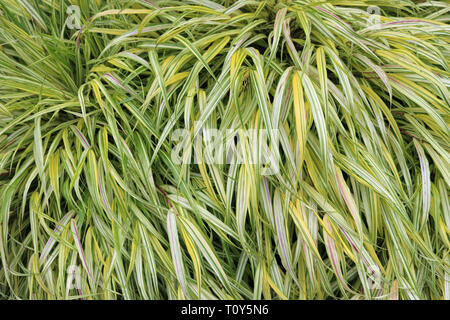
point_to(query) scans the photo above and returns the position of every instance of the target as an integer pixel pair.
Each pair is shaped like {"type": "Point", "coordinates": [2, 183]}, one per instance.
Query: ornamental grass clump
{"type": "Point", "coordinates": [328, 178]}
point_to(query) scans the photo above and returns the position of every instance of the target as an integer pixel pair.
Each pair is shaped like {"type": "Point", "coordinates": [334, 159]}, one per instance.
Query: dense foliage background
{"type": "Point", "coordinates": [92, 204]}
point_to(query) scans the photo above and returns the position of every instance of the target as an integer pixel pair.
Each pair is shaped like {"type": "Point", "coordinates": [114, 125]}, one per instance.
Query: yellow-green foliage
{"type": "Point", "coordinates": [93, 206]}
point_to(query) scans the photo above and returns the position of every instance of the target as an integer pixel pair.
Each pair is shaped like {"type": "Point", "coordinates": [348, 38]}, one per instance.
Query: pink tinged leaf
{"type": "Point", "coordinates": [281, 14]}
{"type": "Point", "coordinates": [80, 136]}
{"type": "Point", "coordinates": [293, 51]}
{"type": "Point", "coordinates": [126, 147]}
{"type": "Point", "coordinates": [394, 291]}
{"type": "Point", "coordinates": [425, 171]}
{"type": "Point", "coordinates": [350, 204]}
{"type": "Point", "coordinates": [332, 252]}
{"type": "Point", "coordinates": [312, 222]}
{"type": "Point", "coordinates": [282, 237]}
{"type": "Point", "coordinates": [113, 80]}
{"type": "Point", "coordinates": [280, 232]}
{"type": "Point", "coordinates": [347, 26]}
{"type": "Point", "coordinates": [348, 199]}
{"type": "Point", "coordinates": [268, 198]}
{"type": "Point", "coordinates": [135, 57]}
{"type": "Point", "coordinates": [379, 71]}
{"type": "Point", "coordinates": [279, 17]}
{"type": "Point", "coordinates": [286, 103]}
{"type": "Point", "coordinates": [348, 30]}
{"type": "Point", "coordinates": [76, 238]}
{"type": "Point", "coordinates": [380, 291]}
{"type": "Point", "coordinates": [312, 227]}
{"type": "Point", "coordinates": [333, 15]}
{"type": "Point", "coordinates": [51, 241]}
{"type": "Point", "coordinates": [349, 239]}
{"type": "Point", "coordinates": [399, 83]}
{"type": "Point", "coordinates": [407, 21]}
